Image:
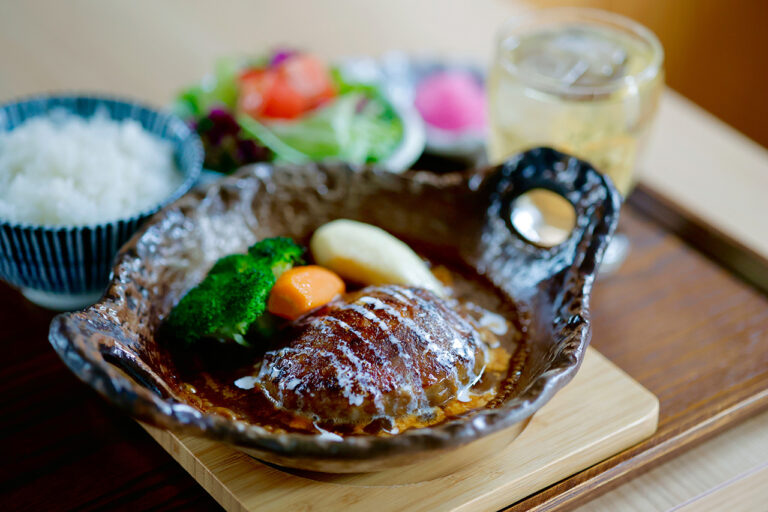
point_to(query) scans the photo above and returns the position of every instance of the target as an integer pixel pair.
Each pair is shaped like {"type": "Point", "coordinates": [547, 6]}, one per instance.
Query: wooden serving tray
{"type": "Point", "coordinates": [690, 331]}
{"type": "Point", "coordinates": [601, 412]}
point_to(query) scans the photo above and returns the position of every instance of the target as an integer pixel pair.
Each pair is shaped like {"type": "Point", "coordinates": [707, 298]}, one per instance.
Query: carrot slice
{"type": "Point", "coordinates": [302, 289]}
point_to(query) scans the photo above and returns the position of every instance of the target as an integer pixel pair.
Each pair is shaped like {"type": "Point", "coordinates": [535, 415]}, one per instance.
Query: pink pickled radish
{"type": "Point", "coordinates": [452, 100]}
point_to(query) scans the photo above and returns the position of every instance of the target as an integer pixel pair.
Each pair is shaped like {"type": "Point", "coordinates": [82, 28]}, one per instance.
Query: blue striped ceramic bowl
{"type": "Point", "coordinates": [65, 267]}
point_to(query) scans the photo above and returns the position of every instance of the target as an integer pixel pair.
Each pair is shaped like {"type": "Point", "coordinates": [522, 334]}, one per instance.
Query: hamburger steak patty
{"type": "Point", "coordinates": [381, 352]}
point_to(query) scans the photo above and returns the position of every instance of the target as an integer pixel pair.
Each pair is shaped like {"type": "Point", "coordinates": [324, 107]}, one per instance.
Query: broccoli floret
{"type": "Point", "coordinates": [223, 307]}
{"type": "Point", "coordinates": [279, 253]}
{"type": "Point", "coordinates": [230, 303]}
{"type": "Point", "coordinates": [237, 263]}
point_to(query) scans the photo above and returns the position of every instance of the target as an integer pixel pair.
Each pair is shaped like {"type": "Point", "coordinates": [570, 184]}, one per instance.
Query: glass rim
{"type": "Point", "coordinates": [589, 15]}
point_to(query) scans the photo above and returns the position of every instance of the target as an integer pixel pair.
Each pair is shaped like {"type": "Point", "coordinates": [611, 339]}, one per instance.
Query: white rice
{"type": "Point", "coordinates": [62, 169]}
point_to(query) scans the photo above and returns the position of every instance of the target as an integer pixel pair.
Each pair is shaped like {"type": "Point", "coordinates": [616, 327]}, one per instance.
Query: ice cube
{"type": "Point", "coordinates": [573, 56]}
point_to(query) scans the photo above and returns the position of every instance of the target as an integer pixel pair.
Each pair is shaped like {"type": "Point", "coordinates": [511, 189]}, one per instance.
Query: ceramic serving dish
{"type": "Point", "coordinates": [112, 344]}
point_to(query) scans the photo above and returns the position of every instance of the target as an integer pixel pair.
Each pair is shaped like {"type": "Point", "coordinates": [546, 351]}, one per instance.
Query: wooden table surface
{"type": "Point", "coordinates": [64, 448]}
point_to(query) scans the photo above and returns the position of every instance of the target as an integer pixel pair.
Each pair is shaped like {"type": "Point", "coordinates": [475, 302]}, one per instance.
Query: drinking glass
{"type": "Point", "coordinates": [584, 81]}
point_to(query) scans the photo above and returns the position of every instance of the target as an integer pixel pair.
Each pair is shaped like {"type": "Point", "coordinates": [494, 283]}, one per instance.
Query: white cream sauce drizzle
{"type": "Point", "coordinates": [494, 322]}
{"type": "Point", "coordinates": [247, 382]}
{"type": "Point", "coordinates": [324, 434]}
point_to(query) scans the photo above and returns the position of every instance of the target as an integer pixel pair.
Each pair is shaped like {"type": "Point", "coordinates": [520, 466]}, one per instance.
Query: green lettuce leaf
{"type": "Point", "coordinates": [218, 90]}
{"type": "Point", "coordinates": [357, 127]}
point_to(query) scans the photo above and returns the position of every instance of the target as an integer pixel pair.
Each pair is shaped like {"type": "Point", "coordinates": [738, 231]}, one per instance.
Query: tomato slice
{"type": "Point", "coordinates": [284, 101]}
{"type": "Point", "coordinates": [309, 77]}
{"type": "Point", "coordinates": [255, 87]}
{"type": "Point", "coordinates": [298, 84]}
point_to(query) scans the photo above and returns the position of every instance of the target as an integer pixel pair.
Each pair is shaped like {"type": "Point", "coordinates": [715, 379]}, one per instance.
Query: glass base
{"type": "Point", "coordinates": [615, 254]}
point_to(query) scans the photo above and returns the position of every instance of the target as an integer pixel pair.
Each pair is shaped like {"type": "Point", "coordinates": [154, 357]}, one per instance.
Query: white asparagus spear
{"type": "Point", "coordinates": [369, 255]}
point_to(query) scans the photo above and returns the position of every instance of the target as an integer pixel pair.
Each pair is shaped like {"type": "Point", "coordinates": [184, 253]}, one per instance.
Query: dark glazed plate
{"type": "Point", "coordinates": [112, 345]}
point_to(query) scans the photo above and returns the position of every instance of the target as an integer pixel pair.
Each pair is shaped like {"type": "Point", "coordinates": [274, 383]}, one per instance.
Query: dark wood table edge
{"type": "Point", "coordinates": [728, 253]}
{"type": "Point", "coordinates": [710, 241]}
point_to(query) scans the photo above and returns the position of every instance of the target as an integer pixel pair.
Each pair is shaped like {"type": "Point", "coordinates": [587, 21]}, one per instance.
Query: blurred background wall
{"type": "Point", "coordinates": [716, 53]}
{"type": "Point", "coordinates": [717, 50]}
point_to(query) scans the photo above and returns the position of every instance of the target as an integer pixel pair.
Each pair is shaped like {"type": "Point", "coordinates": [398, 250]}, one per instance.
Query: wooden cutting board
{"type": "Point", "coordinates": [600, 413]}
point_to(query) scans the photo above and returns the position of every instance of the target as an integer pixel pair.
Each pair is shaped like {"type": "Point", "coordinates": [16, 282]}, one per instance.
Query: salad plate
{"type": "Point", "coordinates": [290, 107]}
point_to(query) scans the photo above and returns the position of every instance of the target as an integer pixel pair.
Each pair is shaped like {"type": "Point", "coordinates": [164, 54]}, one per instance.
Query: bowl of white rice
{"type": "Point", "coordinates": [78, 176]}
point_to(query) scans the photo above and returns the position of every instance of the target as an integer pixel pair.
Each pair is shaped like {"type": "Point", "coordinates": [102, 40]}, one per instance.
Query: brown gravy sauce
{"type": "Point", "coordinates": [206, 376]}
